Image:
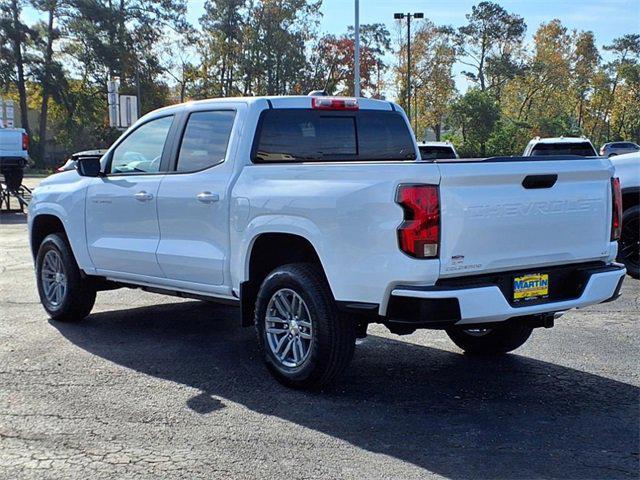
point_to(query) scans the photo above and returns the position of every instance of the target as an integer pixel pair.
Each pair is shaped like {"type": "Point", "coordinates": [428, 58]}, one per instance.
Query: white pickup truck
{"type": "Point", "coordinates": [317, 216]}
{"type": "Point", "coordinates": [627, 169]}
{"type": "Point", "coordinates": [14, 155]}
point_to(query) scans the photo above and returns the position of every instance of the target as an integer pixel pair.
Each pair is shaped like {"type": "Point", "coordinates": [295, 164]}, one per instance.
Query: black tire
{"type": "Point", "coordinates": [494, 341]}
{"type": "Point", "coordinates": [332, 344]}
{"type": "Point", "coordinates": [628, 246]}
{"type": "Point", "coordinates": [79, 295]}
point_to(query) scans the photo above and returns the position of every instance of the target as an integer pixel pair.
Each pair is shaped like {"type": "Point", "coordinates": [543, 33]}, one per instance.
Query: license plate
{"type": "Point", "coordinates": [532, 286]}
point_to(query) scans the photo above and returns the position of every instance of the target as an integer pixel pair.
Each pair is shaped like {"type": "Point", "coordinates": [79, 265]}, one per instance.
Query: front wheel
{"type": "Point", "coordinates": [305, 341]}
{"type": "Point", "coordinates": [490, 341]}
{"type": "Point", "coordinates": [629, 244]}
{"type": "Point", "coordinates": [63, 293]}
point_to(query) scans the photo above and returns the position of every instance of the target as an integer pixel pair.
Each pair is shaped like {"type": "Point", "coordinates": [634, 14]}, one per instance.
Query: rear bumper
{"type": "Point", "coordinates": [13, 161]}
{"type": "Point", "coordinates": [440, 306]}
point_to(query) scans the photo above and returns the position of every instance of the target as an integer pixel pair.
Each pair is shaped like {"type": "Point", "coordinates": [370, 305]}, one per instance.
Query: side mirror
{"type": "Point", "coordinates": [89, 166]}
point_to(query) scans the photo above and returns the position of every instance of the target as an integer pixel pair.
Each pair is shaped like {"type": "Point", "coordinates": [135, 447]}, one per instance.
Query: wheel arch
{"type": "Point", "coordinates": [42, 225]}
{"type": "Point", "coordinates": [268, 250]}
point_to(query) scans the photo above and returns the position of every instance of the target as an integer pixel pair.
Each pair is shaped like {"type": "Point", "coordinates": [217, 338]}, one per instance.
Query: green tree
{"type": "Point", "coordinates": [15, 36]}
{"type": "Point", "coordinates": [475, 114]}
{"type": "Point", "coordinates": [626, 51]}
{"type": "Point", "coordinates": [540, 100]}
{"type": "Point", "coordinates": [120, 39]}
{"type": "Point", "coordinates": [278, 32]}
{"type": "Point", "coordinates": [46, 69]}
{"type": "Point", "coordinates": [434, 54]}
{"type": "Point", "coordinates": [331, 64]}
{"type": "Point", "coordinates": [586, 60]}
{"type": "Point", "coordinates": [255, 47]}
{"type": "Point", "coordinates": [507, 138]}
{"type": "Point", "coordinates": [221, 41]}
{"type": "Point", "coordinates": [490, 43]}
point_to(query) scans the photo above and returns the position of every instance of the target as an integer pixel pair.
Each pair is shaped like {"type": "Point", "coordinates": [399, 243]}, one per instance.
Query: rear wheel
{"type": "Point", "coordinates": [490, 341]}
{"type": "Point", "coordinates": [629, 244]}
{"type": "Point", "coordinates": [63, 293]}
{"type": "Point", "coordinates": [305, 341]}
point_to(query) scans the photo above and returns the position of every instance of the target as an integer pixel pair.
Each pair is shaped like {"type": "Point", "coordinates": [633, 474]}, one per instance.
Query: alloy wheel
{"type": "Point", "coordinates": [54, 279]}
{"type": "Point", "coordinates": [288, 328]}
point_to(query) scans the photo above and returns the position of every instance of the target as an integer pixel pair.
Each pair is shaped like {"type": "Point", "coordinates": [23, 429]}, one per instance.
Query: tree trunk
{"type": "Point", "coordinates": [17, 51]}
{"type": "Point", "coordinates": [609, 107]}
{"type": "Point", "coordinates": [483, 87]}
{"type": "Point", "coordinates": [183, 85]}
{"type": "Point", "coordinates": [46, 83]}
{"type": "Point", "coordinates": [580, 111]}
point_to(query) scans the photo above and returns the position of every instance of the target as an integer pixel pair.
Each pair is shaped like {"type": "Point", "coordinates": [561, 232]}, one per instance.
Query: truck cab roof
{"type": "Point", "coordinates": [559, 140]}
{"type": "Point", "coordinates": [579, 146]}
{"type": "Point", "coordinates": [290, 101]}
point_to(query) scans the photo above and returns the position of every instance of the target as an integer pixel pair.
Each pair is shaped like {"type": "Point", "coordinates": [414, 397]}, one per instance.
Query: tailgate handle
{"type": "Point", "coordinates": [539, 181]}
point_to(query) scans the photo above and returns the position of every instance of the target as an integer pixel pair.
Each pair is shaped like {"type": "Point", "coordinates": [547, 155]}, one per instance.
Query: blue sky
{"type": "Point", "coordinates": [606, 18]}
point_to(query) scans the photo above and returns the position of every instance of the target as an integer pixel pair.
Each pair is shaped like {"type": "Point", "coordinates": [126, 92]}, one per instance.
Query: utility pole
{"type": "Point", "coordinates": [356, 64]}
{"type": "Point", "coordinates": [415, 110]}
{"type": "Point", "coordinates": [138, 92]}
{"type": "Point", "coordinates": [408, 16]}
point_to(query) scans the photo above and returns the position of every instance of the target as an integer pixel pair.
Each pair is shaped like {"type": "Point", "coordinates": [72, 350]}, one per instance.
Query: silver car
{"type": "Point", "coordinates": [618, 148]}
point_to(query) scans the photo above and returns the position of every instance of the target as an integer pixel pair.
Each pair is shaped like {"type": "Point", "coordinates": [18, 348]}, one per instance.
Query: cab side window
{"type": "Point", "coordinates": [205, 140]}
{"type": "Point", "coordinates": [141, 151]}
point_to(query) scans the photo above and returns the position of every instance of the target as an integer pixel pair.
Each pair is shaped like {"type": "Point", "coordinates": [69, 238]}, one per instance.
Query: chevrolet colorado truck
{"type": "Point", "coordinates": [317, 217]}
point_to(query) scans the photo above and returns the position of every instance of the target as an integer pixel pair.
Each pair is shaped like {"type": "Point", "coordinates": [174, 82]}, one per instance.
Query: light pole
{"type": "Point", "coordinates": [415, 109]}
{"type": "Point", "coordinates": [408, 16]}
{"type": "Point", "coordinates": [356, 60]}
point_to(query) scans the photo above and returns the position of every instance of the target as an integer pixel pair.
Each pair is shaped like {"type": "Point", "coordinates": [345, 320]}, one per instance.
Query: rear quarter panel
{"type": "Point", "coordinates": [348, 213]}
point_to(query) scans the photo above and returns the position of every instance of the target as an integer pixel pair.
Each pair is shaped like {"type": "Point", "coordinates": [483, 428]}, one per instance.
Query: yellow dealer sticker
{"type": "Point", "coordinates": [531, 286]}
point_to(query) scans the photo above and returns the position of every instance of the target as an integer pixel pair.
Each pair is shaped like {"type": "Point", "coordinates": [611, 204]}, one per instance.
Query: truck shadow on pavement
{"type": "Point", "coordinates": [454, 415]}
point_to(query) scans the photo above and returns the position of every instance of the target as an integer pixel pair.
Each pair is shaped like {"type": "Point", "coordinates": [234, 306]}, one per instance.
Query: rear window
{"type": "Point", "coordinates": [582, 149]}
{"type": "Point", "coordinates": [297, 135]}
{"type": "Point", "coordinates": [431, 153]}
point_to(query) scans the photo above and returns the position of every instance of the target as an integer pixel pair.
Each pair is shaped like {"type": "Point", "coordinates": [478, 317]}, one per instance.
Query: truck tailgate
{"type": "Point", "coordinates": [10, 142]}
{"type": "Point", "coordinates": [493, 219]}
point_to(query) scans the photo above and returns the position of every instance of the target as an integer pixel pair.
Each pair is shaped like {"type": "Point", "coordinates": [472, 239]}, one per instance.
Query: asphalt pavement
{"type": "Point", "coordinates": [155, 387]}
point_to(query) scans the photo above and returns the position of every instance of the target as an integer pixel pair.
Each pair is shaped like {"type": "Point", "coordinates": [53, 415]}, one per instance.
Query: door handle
{"type": "Point", "coordinates": [539, 181]}
{"type": "Point", "coordinates": [207, 197]}
{"type": "Point", "coordinates": [143, 196]}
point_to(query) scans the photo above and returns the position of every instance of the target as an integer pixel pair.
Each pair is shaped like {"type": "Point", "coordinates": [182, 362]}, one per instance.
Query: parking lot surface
{"type": "Point", "coordinates": [156, 387]}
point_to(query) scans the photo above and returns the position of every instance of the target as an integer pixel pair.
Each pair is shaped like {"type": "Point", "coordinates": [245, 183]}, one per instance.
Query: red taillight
{"type": "Point", "coordinates": [419, 233]}
{"type": "Point", "coordinates": [25, 141]}
{"type": "Point", "coordinates": [616, 209]}
{"type": "Point", "coordinates": [332, 103]}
